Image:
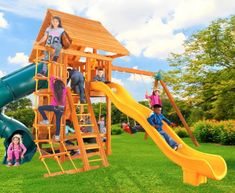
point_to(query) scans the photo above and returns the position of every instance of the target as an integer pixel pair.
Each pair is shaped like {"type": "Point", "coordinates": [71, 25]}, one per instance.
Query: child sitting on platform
{"type": "Point", "coordinates": [100, 76]}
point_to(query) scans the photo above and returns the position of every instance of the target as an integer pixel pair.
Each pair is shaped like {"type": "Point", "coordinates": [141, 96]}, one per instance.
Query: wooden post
{"type": "Point", "coordinates": [109, 111]}
{"type": "Point", "coordinates": [179, 114]}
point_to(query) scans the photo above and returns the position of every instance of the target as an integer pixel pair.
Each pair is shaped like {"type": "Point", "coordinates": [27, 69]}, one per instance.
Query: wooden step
{"type": "Point", "coordinates": [91, 146]}
{"type": "Point", "coordinates": [84, 114]}
{"type": "Point", "coordinates": [89, 135]}
{"type": "Point", "coordinates": [40, 77]}
{"type": "Point", "coordinates": [69, 137]}
{"type": "Point", "coordinates": [42, 93]}
{"type": "Point", "coordinates": [43, 125]}
{"type": "Point", "coordinates": [86, 125]}
{"type": "Point", "coordinates": [95, 160]}
{"type": "Point", "coordinates": [72, 147]}
{"type": "Point", "coordinates": [79, 104]}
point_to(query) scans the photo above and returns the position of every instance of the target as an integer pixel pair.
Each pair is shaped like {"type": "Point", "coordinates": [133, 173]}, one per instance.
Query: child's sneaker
{"type": "Point", "coordinates": [56, 138]}
{"type": "Point", "coordinates": [177, 147]}
{"type": "Point", "coordinates": [9, 164]}
{"type": "Point", "coordinates": [44, 122]}
{"type": "Point", "coordinates": [17, 164]}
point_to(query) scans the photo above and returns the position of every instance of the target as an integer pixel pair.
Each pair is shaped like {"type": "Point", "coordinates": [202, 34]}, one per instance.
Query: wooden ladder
{"type": "Point", "coordinates": [93, 148]}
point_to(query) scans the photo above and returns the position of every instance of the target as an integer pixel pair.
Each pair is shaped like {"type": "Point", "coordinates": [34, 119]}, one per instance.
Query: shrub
{"type": "Point", "coordinates": [116, 129]}
{"type": "Point", "coordinates": [216, 132]}
{"type": "Point", "coordinates": [181, 132]}
{"type": "Point", "coordinates": [228, 134]}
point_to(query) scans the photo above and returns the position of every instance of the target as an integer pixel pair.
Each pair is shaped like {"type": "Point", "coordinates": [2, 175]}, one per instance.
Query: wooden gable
{"type": "Point", "coordinates": [84, 32]}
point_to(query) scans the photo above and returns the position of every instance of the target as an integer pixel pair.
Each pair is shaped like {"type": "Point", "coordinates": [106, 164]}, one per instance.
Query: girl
{"type": "Point", "coordinates": [57, 105]}
{"type": "Point", "coordinates": [52, 37]}
{"type": "Point", "coordinates": [16, 150]}
{"type": "Point", "coordinates": [154, 98]}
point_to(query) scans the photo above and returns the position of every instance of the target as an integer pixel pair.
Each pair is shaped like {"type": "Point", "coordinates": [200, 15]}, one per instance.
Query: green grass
{"type": "Point", "coordinates": [136, 166]}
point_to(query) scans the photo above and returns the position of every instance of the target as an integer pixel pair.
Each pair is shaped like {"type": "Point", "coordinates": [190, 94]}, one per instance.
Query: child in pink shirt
{"type": "Point", "coordinates": [16, 150]}
{"type": "Point", "coordinates": [57, 104]}
{"type": "Point", "coordinates": [154, 98]}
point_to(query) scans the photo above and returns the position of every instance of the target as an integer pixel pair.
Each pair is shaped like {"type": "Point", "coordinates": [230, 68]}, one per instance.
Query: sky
{"type": "Point", "coordinates": [151, 30]}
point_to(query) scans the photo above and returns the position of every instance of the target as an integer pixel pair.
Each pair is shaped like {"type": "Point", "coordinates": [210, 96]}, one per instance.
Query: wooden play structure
{"type": "Point", "coordinates": [103, 49]}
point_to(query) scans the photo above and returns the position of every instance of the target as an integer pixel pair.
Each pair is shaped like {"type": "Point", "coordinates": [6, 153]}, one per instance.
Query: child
{"type": "Point", "coordinates": [57, 105]}
{"type": "Point", "coordinates": [52, 37]}
{"type": "Point", "coordinates": [77, 83]}
{"type": "Point", "coordinates": [155, 120]}
{"type": "Point", "coordinates": [100, 76]}
{"type": "Point", "coordinates": [102, 127]}
{"type": "Point", "coordinates": [154, 98]}
{"type": "Point", "coordinates": [16, 150]}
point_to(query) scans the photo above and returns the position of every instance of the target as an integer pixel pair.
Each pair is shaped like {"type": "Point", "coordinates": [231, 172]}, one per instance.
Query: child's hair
{"type": "Point", "coordinates": [58, 90]}
{"type": "Point", "coordinates": [18, 136]}
{"type": "Point", "coordinates": [102, 116]}
{"type": "Point", "coordinates": [69, 123]}
{"type": "Point", "coordinates": [58, 19]}
{"type": "Point", "coordinates": [156, 106]}
{"type": "Point", "coordinates": [100, 69]}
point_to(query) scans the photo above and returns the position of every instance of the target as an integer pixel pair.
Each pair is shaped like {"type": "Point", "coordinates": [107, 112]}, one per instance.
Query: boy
{"type": "Point", "coordinates": [100, 76]}
{"type": "Point", "coordinates": [155, 120]}
{"type": "Point", "coordinates": [77, 83]}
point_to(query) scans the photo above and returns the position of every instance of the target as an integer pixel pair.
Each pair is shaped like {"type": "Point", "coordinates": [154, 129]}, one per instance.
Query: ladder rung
{"type": "Point", "coordinates": [54, 155]}
{"type": "Point", "coordinates": [86, 125]}
{"type": "Point", "coordinates": [72, 147]}
{"type": "Point", "coordinates": [74, 136]}
{"type": "Point", "coordinates": [41, 78]}
{"type": "Point", "coordinates": [74, 94]}
{"type": "Point", "coordinates": [79, 104]}
{"type": "Point", "coordinates": [83, 114]}
{"type": "Point", "coordinates": [92, 146]}
{"type": "Point", "coordinates": [40, 93]}
{"type": "Point", "coordinates": [41, 140]}
{"type": "Point", "coordinates": [43, 125]}
{"type": "Point", "coordinates": [95, 160]}
{"type": "Point", "coordinates": [91, 154]}
{"type": "Point", "coordinates": [89, 135]}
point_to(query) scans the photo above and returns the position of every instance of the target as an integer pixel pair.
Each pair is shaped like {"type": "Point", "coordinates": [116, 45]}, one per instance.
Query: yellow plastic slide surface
{"type": "Point", "coordinates": [196, 166]}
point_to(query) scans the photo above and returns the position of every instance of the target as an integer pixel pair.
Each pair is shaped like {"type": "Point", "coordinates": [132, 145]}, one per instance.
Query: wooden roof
{"type": "Point", "coordinates": [84, 32]}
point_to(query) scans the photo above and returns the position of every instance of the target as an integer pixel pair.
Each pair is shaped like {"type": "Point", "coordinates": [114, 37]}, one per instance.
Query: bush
{"type": "Point", "coordinates": [181, 132]}
{"type": "Point", "coordinates": [216, 132]}
{"type": "Point", "coordinates": [228, 134]}
{"type": "Point", "coordinates": [116, 129]}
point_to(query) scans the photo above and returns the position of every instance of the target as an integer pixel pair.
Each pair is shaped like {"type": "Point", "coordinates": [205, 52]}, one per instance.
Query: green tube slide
{"type": "Point", "coordinates": [12, 87]}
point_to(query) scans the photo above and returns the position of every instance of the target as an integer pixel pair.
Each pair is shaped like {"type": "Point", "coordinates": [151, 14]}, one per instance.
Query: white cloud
{"type": "Point", "coordinates": [118, 81]}
{"type": "Point", "coordinates": [152, 28]}
{"type": "Point", "coordinates": [3, 21]}
{"type": "Point", "coordinates": [19, 59]}
{"type": "Point", "coordinates": [140, 78]}
{"type": "Point", "coordinates": [2, 73]}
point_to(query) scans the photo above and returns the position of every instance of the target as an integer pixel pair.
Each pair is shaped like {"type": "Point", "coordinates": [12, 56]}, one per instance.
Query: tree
{"type": "Point", "coordinates": [204, 75]}
{"type": "Point", "coordinates": [23, 103]}
{"type": "Point", "coordinates": [21, 110]}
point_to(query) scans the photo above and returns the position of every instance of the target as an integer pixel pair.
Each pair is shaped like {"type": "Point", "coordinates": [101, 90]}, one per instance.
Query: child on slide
{"type": "Point", "coordinates": [15, 150]}
{"type": "Point", "coordinates": [156, 119]}
{"type": "Point", "coordinates": [52, 37]}
{"type": "Point", "coordinates": [154, 97]}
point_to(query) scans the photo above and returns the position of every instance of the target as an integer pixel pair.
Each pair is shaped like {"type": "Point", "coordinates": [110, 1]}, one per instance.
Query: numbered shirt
{"type": "Point", "coordinates": [54, 35]}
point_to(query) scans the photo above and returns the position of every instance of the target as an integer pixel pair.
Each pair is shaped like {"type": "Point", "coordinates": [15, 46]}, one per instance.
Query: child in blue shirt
{"type": "Point", "coordinates": [155, 120]}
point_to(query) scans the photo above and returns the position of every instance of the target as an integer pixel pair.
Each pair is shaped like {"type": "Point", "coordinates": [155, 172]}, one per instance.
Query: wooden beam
{"type": "Point", "coordinates": [77, 53]}
{"type": "Point", "coordinates": [131, 70]}
{"type": "Point", "coordinates": [179, 114]}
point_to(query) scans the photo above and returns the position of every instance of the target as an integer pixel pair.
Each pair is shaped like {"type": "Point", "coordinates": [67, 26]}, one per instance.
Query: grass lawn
{"type": "Point", "coordinates": [135, 166]}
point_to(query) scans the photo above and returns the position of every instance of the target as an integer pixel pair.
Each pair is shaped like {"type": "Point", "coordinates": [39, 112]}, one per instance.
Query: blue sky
{"type": "Point", "coordinates": [150, 30]}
